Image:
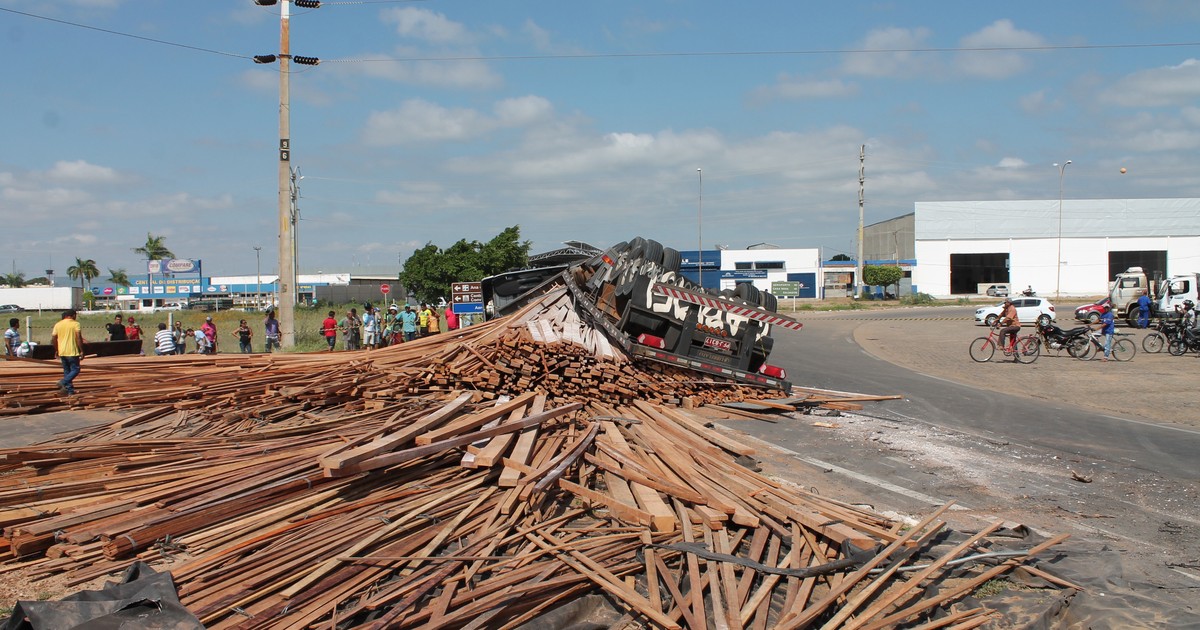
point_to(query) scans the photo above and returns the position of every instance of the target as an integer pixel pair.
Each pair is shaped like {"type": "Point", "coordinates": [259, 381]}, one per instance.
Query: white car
{"type": "Point", "coordinates": [1029, 310]}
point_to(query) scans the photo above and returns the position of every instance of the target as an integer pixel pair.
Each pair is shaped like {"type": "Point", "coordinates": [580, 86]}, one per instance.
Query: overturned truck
{"type": "Point", "coordinates": [635, 292]}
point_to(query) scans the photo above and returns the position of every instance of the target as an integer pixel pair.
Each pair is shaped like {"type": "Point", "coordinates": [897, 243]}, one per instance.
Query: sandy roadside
{"type": "Point", "coordinates": [1151, 387]}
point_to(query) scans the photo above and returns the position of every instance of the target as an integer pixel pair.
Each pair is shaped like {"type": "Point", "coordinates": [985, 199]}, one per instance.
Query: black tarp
{"type": "Point", "coordinates": [143, 599]}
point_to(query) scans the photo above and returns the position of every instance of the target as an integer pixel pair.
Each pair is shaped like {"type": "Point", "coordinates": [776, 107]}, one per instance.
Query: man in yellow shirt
{"type": "Point", "coordinates": [67, 339]}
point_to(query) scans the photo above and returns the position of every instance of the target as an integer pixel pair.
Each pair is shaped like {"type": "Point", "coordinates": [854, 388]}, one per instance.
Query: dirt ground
{"type": "Point", "coordinates": [1152, 387]}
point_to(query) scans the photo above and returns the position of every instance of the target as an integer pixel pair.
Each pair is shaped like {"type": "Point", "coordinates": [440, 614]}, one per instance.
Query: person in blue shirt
{"type": "Point", "coordinates": [408, 323]}
{"type": "Point", "coordinates": [1143, 303]}
{"type": "Point", "coordinates": [1108, 326]}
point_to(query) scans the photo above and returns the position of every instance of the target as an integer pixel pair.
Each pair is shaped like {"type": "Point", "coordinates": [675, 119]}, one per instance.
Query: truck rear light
{"type": "Point", "coordinates": [774, 371]}
{"type": "Point", "coordinates": [652, 341]}
{"type": "Point", "coordinates": [607, 260]}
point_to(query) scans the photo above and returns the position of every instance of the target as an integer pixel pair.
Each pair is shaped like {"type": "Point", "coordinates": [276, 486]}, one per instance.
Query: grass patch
{"type": "Point", "coordinates": [991, 588]}
{"type": "Point", "coordinates": [308, 325]}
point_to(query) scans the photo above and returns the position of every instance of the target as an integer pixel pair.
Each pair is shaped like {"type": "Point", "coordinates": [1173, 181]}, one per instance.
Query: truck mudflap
{"type": "Point", "coordinates": [691, 363]}
{"type": "Point", "coordinates": [750, 312]}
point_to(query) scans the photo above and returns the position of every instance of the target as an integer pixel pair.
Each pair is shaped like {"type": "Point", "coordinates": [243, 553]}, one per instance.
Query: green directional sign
{"type": "Point", "coordinates": [785, 289]}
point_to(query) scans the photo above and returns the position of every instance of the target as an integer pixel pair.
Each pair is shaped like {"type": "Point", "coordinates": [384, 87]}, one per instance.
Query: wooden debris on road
{"type": "Point", "coordinates": [473, 479]}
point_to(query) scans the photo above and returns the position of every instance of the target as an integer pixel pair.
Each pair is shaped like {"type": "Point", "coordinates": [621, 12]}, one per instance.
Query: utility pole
{"type": "Point", "coordinates": [862, 179]}
{"type": "Point", "coordinates": [257, 276]}
{"type": "Point", "coordinates": [700, 227]}
{"type": "Point", "coordinates": [287, 213]}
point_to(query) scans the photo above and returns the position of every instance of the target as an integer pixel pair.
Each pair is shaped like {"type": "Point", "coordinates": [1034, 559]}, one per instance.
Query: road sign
{"type": "Point", "coordinates": [385, 289]}
{"type": "Point", "coordinates": [466, 298]}
{"type": "Point", "coordinates": [785, 289]}
{"type": "Point", "coordinates": [466, 287]}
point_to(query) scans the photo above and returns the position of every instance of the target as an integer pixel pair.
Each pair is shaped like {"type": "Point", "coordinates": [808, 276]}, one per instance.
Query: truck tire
{"type": "Point", "coordinates": [768, 301]}
{"type": "Point", "coordinates": [637, 247]}
{"type": "Point", "coordinates": [748, 292]}
{"type": "Point", "coordinates": [654, 252]}
{"type": "Point", "coordinates": [671, 260]}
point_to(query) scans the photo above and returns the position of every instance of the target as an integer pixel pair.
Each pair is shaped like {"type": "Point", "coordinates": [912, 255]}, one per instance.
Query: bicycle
{"type": "Point", "coordinates": [1122, 349]}
{"type": "Point", "coordinates": [1028, 347]}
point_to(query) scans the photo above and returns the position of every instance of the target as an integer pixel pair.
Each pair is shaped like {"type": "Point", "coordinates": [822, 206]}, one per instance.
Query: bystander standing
{"type": "Point", "coordinates": [67, 339]}
{"type": "Point", "coordinates": [12, 337]}
{"type": "Point", "coordinates": [271, 327]}
{"type": "Point", "coordinates": [244, 335]}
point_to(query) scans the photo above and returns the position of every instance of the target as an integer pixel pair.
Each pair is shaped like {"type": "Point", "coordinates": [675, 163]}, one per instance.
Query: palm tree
{"type": "Point", "coordinates": [154, 249]}
{"type": "Point", "coordinates": [13, 280]}
{"type": "Point", "coordinates": [118, 277]}
{"type": "Point", "coordinates": [83, 271]}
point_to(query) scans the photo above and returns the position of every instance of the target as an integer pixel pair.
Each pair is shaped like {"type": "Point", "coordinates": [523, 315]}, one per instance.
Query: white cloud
{"type": "Point", "coordinates": [427, 26]}
{"type": "Point", "coordinates": [522, 111]}
{"type": "Point", "coordinates": [788, 87]}
{"type": "Point", "coordinates": [1157, 87]}
{"type": "Point", "coordinates": [901, 60]}
{"type": "Point", "coordinates": [81, 172]}
{"type": "Point", "coordinates": [422, 121]}
{"type": "Point", "coordinates": [1012, 163]}
{"type": "Point", "coordinates": [457, 73]}
{"type": "Point", "coordinates": [1038, 102]}
{"type": "Point", "coordinates": [996, 64]}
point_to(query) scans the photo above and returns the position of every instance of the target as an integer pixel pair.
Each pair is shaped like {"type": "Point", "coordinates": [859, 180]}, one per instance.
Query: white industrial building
{"type": "Point", "coordinates": [1069, 247]}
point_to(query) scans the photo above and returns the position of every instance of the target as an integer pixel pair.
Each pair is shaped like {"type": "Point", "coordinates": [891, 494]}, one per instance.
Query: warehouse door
{"type": "Point", "coordinates": [968, 271]}
{"type": "Point", "coordinates": [1151, 261]}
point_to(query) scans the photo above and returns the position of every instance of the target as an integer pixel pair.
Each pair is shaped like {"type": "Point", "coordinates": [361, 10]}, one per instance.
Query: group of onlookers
{"type": "Point", "coordinates": [175, 339]}
{"type": "Point", "coordinates": [378, 328]}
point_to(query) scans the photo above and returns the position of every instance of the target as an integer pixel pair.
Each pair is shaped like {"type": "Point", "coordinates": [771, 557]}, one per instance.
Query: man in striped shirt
{"type": "Point", "coordinates": [164, 341]}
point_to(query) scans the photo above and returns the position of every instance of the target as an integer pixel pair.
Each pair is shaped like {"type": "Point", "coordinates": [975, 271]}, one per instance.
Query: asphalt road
{"type": "Point", "coordinates": [825, 355]}
{"type": "Point", "coordinates": [1127, 489]}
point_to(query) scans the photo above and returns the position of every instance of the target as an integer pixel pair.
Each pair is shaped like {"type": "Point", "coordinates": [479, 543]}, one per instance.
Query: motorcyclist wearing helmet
{"type": "Point", "coordinates": [1187, 314]}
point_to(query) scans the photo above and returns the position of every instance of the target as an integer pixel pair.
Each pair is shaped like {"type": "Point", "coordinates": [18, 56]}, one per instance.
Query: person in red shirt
{"type": "Point", "coordinates": [132, 330]}
{"type": "Point", "coordinates": [451, 319]}
{"type": "Point", "coordinates": [329, 329]}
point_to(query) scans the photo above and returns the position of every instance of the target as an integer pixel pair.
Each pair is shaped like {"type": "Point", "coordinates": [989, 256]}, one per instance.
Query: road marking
{"type": "Point", "coordinates": [874, 481]}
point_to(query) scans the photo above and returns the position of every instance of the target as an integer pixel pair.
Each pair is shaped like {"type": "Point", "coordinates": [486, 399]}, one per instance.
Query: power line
{"type": "Point", "coordinates": [129, 35]}
{"type": "Point", "coordinates": [768, 53]}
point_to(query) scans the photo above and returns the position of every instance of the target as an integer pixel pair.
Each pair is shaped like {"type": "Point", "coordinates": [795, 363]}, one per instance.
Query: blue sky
{"type": "Point", "coordinates": [439, 120]}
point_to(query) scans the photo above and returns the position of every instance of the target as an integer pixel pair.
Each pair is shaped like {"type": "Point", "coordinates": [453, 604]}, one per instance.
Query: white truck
{"type": "Point", "coordinates": [1124, 291]}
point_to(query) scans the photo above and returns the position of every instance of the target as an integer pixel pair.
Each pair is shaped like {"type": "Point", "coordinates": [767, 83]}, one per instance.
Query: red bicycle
{"type": "Point", "coordinates": [1027, 349]}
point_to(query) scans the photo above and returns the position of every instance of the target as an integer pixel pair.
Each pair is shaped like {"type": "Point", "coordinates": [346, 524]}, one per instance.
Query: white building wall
{"type": "Point", "coordinates": [794, 261]}
{"type": "Point", "coordinates": [1090, 229]}
{"type": "Point", "coordinates": [1084, 261]}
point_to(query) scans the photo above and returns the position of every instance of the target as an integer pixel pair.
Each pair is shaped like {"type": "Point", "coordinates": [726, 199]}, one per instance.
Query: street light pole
{"type": "Point", "coordinates": [700, 226]}
{"type": "Point", "coordinates": [257, 275]}
{"type": "Point", "coordinates": [1062, 168]}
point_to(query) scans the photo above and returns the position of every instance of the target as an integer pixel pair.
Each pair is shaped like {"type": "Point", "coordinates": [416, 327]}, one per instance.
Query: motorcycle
{"type": "Point", "coordinates": [1187, 339]}
{"type": "Point", "coordinates": [1074, 341]}
{"type": "Point", "coordinates": [1029, 292]}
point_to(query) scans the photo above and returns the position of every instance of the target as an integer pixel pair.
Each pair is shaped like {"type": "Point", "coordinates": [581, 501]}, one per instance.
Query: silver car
{"type": "Point", "coordinates": [1029, 310]}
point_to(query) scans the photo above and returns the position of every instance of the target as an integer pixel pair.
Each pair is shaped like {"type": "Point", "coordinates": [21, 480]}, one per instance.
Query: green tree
{"type": "Point", "coordinates": [83, 271]}
{"type": "Point", "coordinates": [883, 276]}
{"type": "Point", "coordinates": [118, 277]}
{"type": "Point", "coordinates": [429, 272]}
{"type": "Point", "coordinates": [13, 280]}
{"type": "Point", "coordinates": [154, 249]}
{"type": "Point", "coordinates": [505, 252]}
{"type": "Point", "coordinates": [423, 274]}
{"type": "Point", "coordinates": [841, 258]}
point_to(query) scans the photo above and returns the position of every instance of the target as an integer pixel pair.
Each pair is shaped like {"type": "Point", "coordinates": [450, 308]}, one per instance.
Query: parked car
{"type": "Point", "coordinates": [1091, 313]}
{"type": "Point", "coordinates": [998, 290]}
{"type": "Point", "coordinates": [1029, 310]}
{"type": "Point", "coordinates": [10, 308]}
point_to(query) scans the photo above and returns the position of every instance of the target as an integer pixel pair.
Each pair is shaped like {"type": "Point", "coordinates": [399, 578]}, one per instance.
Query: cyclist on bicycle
{"type": "Point", "coordinates": [1011, 325]}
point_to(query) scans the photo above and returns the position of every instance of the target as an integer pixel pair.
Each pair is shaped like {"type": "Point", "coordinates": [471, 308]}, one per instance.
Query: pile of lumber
{"type": "Point", "coordinates": [475, 479]}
